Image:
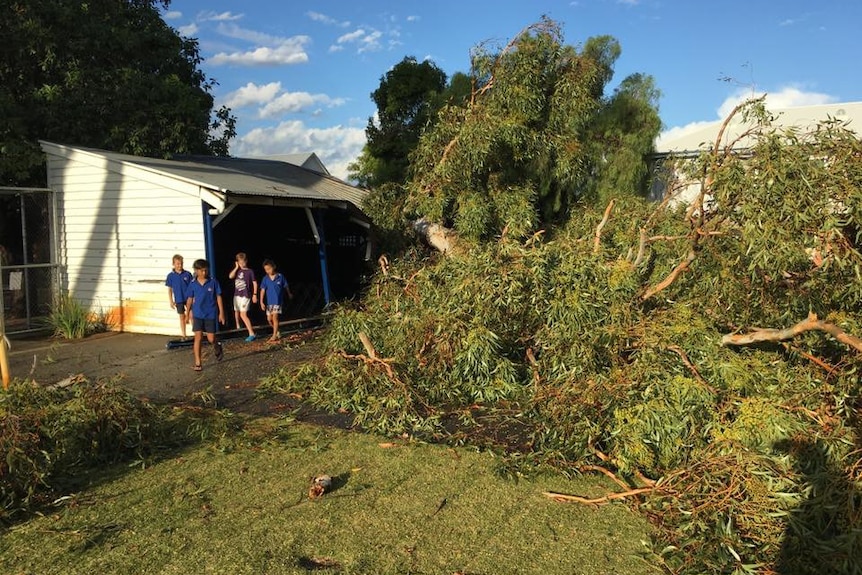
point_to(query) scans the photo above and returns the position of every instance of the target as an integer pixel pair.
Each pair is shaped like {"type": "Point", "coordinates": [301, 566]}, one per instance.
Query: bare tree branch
{"type": "Point", "coordinates": [681, 267]}
{"type": "Point", "coordinates": [811, 323]}
{"type": "Point", "coordinates": [598, 237]}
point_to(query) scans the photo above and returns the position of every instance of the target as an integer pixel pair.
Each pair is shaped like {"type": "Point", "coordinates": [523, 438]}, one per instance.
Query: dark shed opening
{"type": "Point", "coordinates": [286, 235]}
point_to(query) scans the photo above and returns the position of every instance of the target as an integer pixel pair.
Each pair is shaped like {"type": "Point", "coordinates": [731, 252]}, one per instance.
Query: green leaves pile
{"type": "Point", "coordinates": [591, 346]}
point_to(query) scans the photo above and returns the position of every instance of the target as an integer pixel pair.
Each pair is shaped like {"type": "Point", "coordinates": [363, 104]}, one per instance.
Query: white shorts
{"type": "Point", "coordinates": [241, 303]}
{"type": "Point", "coordinates": [271, 309]}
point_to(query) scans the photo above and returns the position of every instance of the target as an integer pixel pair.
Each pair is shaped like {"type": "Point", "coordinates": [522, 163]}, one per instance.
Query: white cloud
{"type": "Point", "coordinates": [216, 17]}
{"type": "Point", "coordinates": [173, 15]}
{"type": "Point", "coordinates": [251, 94]}
{"type": "Point", "coordinates": [413, 18]}
{"type": "Point", "coordinates": [788, 22]}
{"type": "Point", "coordinates": [189, 30]}
{"type": "Point", "coordinates": [290, 102]}
{"type": "Point", "coordinates": [351, 36]}
{"type": "Point", "coordinates": [324, 19]}
{"type": "Point", "coordinates": [267, 49]}
{"type": "Point", "coordinates": [253, 36]}
{"type": "Point", "coordinates": [370, 43]}
{"type": "Point", "coordinates": [787, 97]}
{"type": "Point", "coordinates": [286, 54]}
{"type": "Point", "coordinates": [336, 146]}
{"type": "Point", "coordinates": [335, 48]}
{"type": "Point", "coordinates": [366, 41]}
{"type": "Point", "coordinates": [629, 2]}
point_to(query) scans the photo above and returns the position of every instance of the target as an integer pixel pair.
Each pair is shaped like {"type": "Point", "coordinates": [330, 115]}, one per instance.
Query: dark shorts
{"type": "Point", "coordinates": [181, 308]}
{"type": "Point", "coordinates": [204, 325]}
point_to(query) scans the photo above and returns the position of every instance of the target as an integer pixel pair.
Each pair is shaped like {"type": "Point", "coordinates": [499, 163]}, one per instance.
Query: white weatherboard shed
{"type": "Point", "coordinates": [121, 218]}
{"type": "Point", "coordinates": [689, 143]}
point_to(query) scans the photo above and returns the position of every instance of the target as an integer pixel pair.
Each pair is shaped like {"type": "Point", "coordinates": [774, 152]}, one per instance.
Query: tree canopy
{"type": "Point", "coordinates": [109, 74]}
{"type": "Point", "coordinates": [407, 100]}
{"type": "Point", "coordinates": [536, 135]}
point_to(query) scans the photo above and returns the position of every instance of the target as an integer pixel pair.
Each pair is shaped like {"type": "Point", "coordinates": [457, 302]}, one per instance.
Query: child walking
{"type": "Point", "coordinates": [207, 309]}
{"type": "Point", "coordinates": [244, 293]}
{"type": "Point", "coordinates": [272, 290]}
{"type": "Point", "coordinates": [178, 282]}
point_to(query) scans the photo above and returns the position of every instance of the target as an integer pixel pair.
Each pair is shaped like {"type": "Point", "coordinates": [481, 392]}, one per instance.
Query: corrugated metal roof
{"type": "Point", "coordinates": [802, 117]}
{"type": "Point", "coordinates": [261, 177]}
{"type": "Point", "coordinates": [248, 177]}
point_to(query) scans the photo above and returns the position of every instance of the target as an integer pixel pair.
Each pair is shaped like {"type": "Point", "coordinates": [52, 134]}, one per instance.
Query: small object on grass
{"type": "Point", "coordinates": [319, 485]}
{"type": "Point", "coordinates": [71, 380]}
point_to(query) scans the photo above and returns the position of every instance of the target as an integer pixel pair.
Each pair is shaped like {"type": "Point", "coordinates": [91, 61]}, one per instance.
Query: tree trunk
{"type": "Point", "coordinates": [439, 237]}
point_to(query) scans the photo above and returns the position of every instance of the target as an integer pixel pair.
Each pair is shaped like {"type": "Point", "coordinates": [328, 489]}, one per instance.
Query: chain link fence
{"type": "Point", "coordinates": [28, 268]}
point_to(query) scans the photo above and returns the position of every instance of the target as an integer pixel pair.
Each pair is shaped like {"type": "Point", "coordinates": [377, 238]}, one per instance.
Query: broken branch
{"type": "Point", "coordinates": [598, 238]}
{"type": "Point", "coordinates": [811, 323]}
{"type": "Point", "coordinates": [564, 498]}
{"type": "Point", "coordinates": [681, 267]}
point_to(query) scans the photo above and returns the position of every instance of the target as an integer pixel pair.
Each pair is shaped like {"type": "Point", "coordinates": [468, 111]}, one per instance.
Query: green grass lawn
{"type": "Point", "coordinates": [242, 506]}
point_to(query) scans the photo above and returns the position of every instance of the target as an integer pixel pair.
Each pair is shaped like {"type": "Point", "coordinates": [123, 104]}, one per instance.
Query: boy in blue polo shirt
{"type": "Point", "coordinates": [207, 310]}
{"type": "Point", "coordinates": [178, 282]}
{"type": "Point", "coordinates": [272, 290]}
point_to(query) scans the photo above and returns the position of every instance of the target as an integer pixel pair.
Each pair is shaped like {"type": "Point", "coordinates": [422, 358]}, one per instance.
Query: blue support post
{"type": "Point", "coordinates": [321, 252]}
{"type": "Point", "coordinates": [208, 238]}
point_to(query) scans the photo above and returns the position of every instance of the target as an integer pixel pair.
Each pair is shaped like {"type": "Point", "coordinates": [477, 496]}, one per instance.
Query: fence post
{"type": "Point", "coordinates": [4, 359]}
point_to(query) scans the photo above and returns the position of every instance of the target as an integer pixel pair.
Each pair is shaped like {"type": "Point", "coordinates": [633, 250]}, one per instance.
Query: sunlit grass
{"type": "Point", "coordinates": [241, 506]}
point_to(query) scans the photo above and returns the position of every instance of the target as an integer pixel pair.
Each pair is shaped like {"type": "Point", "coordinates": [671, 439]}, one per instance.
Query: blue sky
{"type": "Point", "coordinates": [298, 75]}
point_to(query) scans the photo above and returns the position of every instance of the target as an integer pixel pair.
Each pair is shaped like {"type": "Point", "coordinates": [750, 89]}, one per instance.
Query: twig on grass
{"type": "Point", "coordinates": [565, 498]}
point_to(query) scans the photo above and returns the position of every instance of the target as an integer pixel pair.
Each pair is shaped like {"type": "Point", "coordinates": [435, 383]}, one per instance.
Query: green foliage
{"type": "Point", "coordinates": [537, 131]}
{"type": "Point", "coordinates": [407, 99]}
{"type": "Point", "coordinates": [588, 345]}
{"type": "Point", "coordinates": [68, 318]}
{"type": "Point", "coordinates": [106, 74]}
{"type": "Point", "coordinates": [623, 134]}
{"type": "Point", "coordinates": [49, 435]}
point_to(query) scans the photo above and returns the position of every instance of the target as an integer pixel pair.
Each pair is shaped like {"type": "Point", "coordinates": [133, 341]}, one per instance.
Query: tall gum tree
{"type": "Point", "coordinates": [522, 153]}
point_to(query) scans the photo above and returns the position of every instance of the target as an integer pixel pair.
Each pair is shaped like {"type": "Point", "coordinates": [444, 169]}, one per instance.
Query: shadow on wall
{"type": "Point", "coordinates": [824, 533]}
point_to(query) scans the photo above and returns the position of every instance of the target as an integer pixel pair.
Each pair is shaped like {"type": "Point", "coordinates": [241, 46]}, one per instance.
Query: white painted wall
{"type": "Point", "coordinates": [117, 233]}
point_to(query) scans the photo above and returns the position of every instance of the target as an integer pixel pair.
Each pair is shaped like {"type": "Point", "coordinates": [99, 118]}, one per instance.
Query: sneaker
{"type": "Point", "coordinates": [219, 352]}
{"type": "Point", "coordinates": [251, 338]}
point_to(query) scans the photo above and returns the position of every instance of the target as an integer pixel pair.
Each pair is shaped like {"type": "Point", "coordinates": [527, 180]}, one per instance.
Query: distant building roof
{"type": "Point", "coordinates": [240, 176]}
{"type": "Point", "coordinates": [307, 160]}
{"type": "Point", "coordinates": [803, 117]}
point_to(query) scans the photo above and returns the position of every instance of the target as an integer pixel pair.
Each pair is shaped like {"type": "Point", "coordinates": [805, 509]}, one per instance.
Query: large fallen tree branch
{"type": "Point", "coordinates": [811, 323]}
